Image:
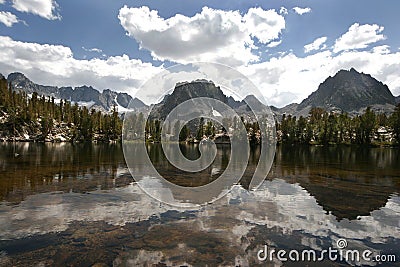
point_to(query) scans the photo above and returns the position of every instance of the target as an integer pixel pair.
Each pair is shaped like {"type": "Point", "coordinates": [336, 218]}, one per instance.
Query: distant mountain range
{"type": "Point", "coordinates": [347, 90]}
{"type": "Point", "coordinates": [83, 95]}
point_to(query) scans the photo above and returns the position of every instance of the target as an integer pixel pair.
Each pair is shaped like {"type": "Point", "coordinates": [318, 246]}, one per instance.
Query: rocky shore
{"type": "Point", "coordinates": [33, 131]}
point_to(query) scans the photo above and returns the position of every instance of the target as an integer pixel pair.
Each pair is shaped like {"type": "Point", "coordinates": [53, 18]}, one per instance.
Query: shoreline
{"type": "Point", "coordinates": [371, 145]}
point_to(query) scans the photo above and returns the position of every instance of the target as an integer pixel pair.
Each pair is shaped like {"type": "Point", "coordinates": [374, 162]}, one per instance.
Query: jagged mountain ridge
{"type": "Point", "coordinates": [185, 91]}
{"type": "Point", "coordinates": [202, 88]}
{"type": "Point", "coordinates": [347, 90]}
{"type": "Point", "coordinates": [84, 95]}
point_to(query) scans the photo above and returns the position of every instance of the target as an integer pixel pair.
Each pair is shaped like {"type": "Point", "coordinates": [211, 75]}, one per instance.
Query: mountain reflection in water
{"type": "Point", "coordinates": [68, 204]}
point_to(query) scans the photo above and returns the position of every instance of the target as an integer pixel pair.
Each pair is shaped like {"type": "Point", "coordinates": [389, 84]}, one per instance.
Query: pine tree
{"type": "Point", "coordinates": [395, 123]}
{"type": "Point", "coordinates": [367, 125]}
{"type": "Point", "coordinates": [184, 133]}
{"type": "Point", "coordinates": [200, 130]}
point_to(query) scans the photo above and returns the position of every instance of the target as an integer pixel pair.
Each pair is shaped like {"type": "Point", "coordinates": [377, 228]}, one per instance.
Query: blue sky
{"type": "Point", "coordinates": [285, 47]}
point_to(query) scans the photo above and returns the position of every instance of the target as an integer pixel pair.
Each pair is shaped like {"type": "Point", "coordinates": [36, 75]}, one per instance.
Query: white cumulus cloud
{"type": "Point", "coordinates": [302, 10]}
{"type": "Point", "coordinates": [8, 18]}
{"type": "Point", "coordinates": [211, 35]}
{"type": "Point", "coordinates": [265, 25]}
{"type": "Point", "coordinates": [317, 44]}
{"type": "Point", "coordinates": [359, 37]}
{"type": "Point", "coordinates": [55, 65]}
{"type": "Point", "coordinates": [382, 49]}
{"type": "Point", "coordinates": [44, 8]}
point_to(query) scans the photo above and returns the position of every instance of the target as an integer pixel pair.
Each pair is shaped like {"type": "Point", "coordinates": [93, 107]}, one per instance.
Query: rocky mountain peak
{"type": "Point", "coordinates": [16, 76]}
{"type": "Point", "coordinates": [202, 88]}
{"type": "Point", "coordinates": [349, 90]}
{"type": "Point", "coordinates": [185, 91]}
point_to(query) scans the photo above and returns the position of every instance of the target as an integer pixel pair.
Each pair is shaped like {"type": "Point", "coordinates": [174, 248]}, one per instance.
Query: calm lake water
{"type": "Point", "coordinates": [77, 205]}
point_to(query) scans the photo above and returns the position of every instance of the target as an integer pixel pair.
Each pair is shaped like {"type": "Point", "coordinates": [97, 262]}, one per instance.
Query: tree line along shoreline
{"type": "Point", "coordinates": [42, 119]}
{"type": "Point", "coordinates": [37, 118]}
